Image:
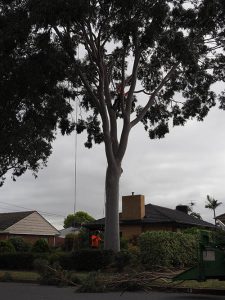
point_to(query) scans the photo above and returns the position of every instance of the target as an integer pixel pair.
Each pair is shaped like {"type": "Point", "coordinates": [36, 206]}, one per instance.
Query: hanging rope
{"type": "Point", "coordinates": [75, 144]}
{"type": "Point", "coordinates": [75, 163]}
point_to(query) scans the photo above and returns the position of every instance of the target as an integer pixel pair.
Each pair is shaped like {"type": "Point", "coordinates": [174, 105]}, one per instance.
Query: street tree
{"type": "Point", "coordinates": [128, 62]}
{"type": "Point", "coordinates": [78, 218]}
{"type": "Point", "coordinates": [212, 204]}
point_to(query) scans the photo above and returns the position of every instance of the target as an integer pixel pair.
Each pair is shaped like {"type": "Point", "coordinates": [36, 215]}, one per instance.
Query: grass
{"type": "Point", "coordinates": [210, 284]}
{"type": "Point", "coordinates": [18, 276]}
{"type": "Point", "coordinates": [29, 276]}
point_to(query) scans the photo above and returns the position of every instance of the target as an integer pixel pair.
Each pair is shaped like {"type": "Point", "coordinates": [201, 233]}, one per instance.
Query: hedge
{"type": "Point", "coordinates": [168, 249]}
{"type": "Point", "coordinates": [19, 260]}
{"type": "Point", "coordinates": [86, 260]}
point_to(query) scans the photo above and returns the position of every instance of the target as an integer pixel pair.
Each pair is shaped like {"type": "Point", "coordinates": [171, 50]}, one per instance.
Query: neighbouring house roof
{"type": "Point", "coordinates": [68, 230]}
{"type": "Point", "coordinates": [26, 222]}
{"type": "Point", "coordinates": [155, 214]}
{"type": "Point", "coordinates": [160, 214]}
{"type": "Point", "coordinates": [221, 217]}
{"type": "Point", "coordinates": [9, 219]}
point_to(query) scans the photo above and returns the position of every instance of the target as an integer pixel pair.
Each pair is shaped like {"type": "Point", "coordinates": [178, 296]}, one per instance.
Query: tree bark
{"type": "Point", "coordinates": [112, 234]}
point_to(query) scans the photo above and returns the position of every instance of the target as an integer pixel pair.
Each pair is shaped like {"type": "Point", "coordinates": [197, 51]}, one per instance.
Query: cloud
{"type": "Point", "coordinates": [185, 166]}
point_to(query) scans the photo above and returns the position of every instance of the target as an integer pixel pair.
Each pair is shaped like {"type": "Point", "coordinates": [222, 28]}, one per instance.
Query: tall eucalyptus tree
{"type": "Point", "coordinates": [129, 61]}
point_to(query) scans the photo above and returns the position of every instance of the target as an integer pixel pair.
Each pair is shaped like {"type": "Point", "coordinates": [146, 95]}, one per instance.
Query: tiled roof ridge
{"type": "Point", "coordinates": [156, 207]}
{"type": "Point", "coordinates": [18, 212]}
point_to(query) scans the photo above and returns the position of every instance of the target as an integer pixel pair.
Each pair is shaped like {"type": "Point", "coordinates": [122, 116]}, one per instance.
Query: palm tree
{"type": "Point", "coordinates": [212, 204]}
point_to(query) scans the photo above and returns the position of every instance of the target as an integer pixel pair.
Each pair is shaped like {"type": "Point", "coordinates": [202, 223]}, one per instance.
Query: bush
{"type": "Point", "coordinates": [72, 242]}
{"type": "Point", "coordinates": [7, 277]}
{"type": "Point", "coordinates": [122, 259]}
{"type": "Point", "coordinates": [168, 249]}
{"type": "Point", "coordinates": [51, 274]}
{"type": "Point", "coordinates": [86, 260]}
{"type": "Point", "coordinates": [19, 261]}
{"type": "Point", "coordinates": [19, 244]}
{"type": "Point", "coordinates": [40, 246]}
{"type": "Point", "coordinates": [6, 247]}
{"type": "Point", "coordinates": [123, 243]}
{"type": "Point", "coordinates": [92, 284]}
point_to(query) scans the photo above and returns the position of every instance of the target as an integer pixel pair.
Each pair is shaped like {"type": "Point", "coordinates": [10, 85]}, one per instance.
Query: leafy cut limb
{"type": "Point", "coordinates": [132, 50]}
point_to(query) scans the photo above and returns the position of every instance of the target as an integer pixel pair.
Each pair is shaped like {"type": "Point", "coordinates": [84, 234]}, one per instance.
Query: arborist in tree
{"type": "Point", "coordinates": [95, 240]}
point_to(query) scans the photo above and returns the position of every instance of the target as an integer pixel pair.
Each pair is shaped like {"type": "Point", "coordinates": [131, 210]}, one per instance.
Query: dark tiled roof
{"type": "Point", "coordinates": [221, 216]}
{"type": "Point", "coordinates": [158, 214]}
{"type": "Point", "coordinates": [8, 219]}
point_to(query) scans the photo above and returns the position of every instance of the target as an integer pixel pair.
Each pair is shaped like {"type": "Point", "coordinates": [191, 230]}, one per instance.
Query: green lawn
{"type": "Point", "coordinates": [18, 276]}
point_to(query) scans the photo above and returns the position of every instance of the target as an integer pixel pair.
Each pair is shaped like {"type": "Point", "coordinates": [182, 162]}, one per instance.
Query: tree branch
{"type": "Point", "coordinates": [83, 77]}
{"type": "Point", "coordinates": [153, 95]}
{"type": "Point", "coordinates": [133, 81]}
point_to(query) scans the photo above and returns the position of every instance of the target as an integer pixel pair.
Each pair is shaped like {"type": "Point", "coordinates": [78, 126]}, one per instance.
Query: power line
{"type": "Point", "coordinates": [43, 212]}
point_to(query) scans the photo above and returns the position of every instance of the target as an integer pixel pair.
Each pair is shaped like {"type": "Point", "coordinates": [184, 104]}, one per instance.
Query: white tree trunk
{"type": "Point", "coordinates": [112, 233]}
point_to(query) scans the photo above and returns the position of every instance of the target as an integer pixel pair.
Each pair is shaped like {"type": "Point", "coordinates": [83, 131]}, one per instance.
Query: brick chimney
{"type": "Point", "coordinates": [182, 208]}
{"type": "Point", "coordinates": [133, 207]}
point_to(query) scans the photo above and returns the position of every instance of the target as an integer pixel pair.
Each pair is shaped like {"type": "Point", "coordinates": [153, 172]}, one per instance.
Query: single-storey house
{"type": "Point", "coordinates": [136, 217]}
{"type": "Point", "coordinates": [220, 221]}
{"type": "Point", "coordinates": [29, 225]}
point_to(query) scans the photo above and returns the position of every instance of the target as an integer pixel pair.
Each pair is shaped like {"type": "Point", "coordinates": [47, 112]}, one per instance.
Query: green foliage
{"type": "Point", "coordinates": [168, 249]}
{"type": "Point", "coordinates": [7, 277]}
{"type": "Point", "coordinates": [163, 37]}
{"type": "Point", "coordinates": [176, 46]}
{"type": "Point", "coordinates": [122, 259]}
{"type": "Point", "coordinates": [73, 220]}
{"type": "Point", "coordinates": [51, 274]}
{"type": "Point", "coordinates": [86, 260]}
{"type": "Point", "coordinates": [92, 284]}
{"type": "Point", "coordinates": [20, 245]}
{"type": "Point", "coordinates": [84, 238]}
{"type": "Point", "coordinates": [40, 246]}
{"type": "Point", "coordinates": [77, 241]}
{"type": "Point", "coordinates": [123, 243]}
{"type": "Point", "coordinates": [212, 203]}
{"type": "Point", "coordinates": [6, 247]}
{"type": "Point", "coordinates": [19, 261]}
{"type": "Point", "coordinates": [72, 242]}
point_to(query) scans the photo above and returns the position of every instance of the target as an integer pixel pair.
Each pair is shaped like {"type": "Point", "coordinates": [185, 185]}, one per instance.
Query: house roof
{"type": "Point", "coordinates": [160, 214]}
{"type": "Point", "coordinates": [65, 231]}
{"type": "Point", "coordinates": [155, 214]}
{"type": "Point", "coordinates": [9, 219]}
{"type": "Point", "coordinates": [220, 216]}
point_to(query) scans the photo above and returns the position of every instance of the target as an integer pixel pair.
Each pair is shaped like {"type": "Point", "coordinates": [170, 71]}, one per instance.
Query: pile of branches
{"type": "Point", "coordinates": [138, 281]}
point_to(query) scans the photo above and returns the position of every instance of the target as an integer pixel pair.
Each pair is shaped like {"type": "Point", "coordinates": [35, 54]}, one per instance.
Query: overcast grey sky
{"type": "Point", "coordinates": [185, 166]}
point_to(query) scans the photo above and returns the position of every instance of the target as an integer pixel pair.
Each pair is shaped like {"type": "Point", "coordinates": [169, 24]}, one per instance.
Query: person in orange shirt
{"type": "Point", "coordinates": [95, 240]}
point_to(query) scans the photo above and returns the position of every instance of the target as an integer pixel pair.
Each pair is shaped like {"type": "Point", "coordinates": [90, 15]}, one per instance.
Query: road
{"type": "Point", "coordinates": [21, 291]}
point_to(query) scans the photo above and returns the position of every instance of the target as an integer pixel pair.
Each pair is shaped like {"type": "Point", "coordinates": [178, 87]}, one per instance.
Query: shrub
{"type": "Point", "coordinates": [40, 246]}
{"type": "Point", "coordinates": [122, 259]}
{"type": "Point", "coordinates": [6, 247]}
{"type": "Point", "coordinates": [19, 244]}
{"type": "Point", "coordinates": [84, 239]}
{"type": "Point", "coordinates": [123, 243]}
{"type": "Point", "coordinates": [168, 249]}
{"type": "Point", "coordinates": [7, 277]}
{"type": "Point", "coordinates": [92, 284]}
{"type": "Point", "coordinates": [19, 260]}
{"type": "Point", "coordinates": [86, 260]}
{"type": "Point", "coordinates": [72, 242]}
{"type": "Point", "coordinates": [50, 274]}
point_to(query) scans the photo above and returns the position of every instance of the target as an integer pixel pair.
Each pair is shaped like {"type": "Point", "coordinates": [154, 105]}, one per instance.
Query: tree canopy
{"type": "Point", "coordinates": [212, 204]}
{"type": "Point", "coordinates": [126, 62]}
{"type": "Point", "coordinates": [77, 219]}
